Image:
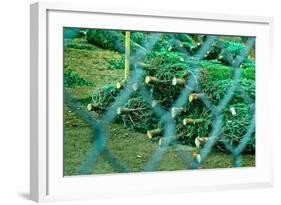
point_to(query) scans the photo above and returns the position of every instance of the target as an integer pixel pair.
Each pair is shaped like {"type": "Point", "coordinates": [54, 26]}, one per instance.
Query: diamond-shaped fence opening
{"type": "Point", "coordinates": [141, 97]}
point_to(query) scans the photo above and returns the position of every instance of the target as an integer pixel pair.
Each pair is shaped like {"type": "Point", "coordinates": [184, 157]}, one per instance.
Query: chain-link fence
{"type": "Point", "coordinates": [166, 115]}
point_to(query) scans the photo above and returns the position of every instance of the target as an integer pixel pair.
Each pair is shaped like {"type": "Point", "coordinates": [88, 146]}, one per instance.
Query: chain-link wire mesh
{"type": "Point", "coordinates": [101, 135]}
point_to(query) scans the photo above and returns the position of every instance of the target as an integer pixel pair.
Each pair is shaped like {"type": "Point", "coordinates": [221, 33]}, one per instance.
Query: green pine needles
{"type": "Point", "coordinates": [167, 69]}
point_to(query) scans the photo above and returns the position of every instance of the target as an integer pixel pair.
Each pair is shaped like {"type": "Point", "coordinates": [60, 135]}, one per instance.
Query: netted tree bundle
{"type": "Point", "coordinates": [105, 96]}
{"type": "Point", "coordinates": [213, 71]}
{"type": "Point", "coordinates": [185, 43]}
{"type": "Point", "coordinates": [166, 65]}
{"type": "Point", "coordinates": [190, 42]}
{"type": "Point", "coordinates": [217, 90]}
{"type": "Point", "coordinates": [107, 39]}
{"type": "Point", "coordinates": [137, 115]}
{"type": "Point", "coordinates": [170, 61]}
{"type": "Point", "coordinates": [236, 126]}
{"type": "Point", "coordinates": [139, 37]}
{"type": "Point", "coordinates": [114, 40]}
{"type": "Point", "coordinates": [188, 130]}
{"type": "Point", "coordinates": [229, 52]}
{"type": "Point", "coordinates": [163, 67]}
{"type": "Point", "coordinates": [168, 42]}
{"type": "Point", "coordinates": [248, 62]}
{"type": "Point", "coordinates": [164, 43]}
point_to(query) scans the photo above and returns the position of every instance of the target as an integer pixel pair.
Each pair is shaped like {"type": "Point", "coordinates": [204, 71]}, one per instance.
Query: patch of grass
{"type": "Point", "coordinates": [93, 65]}
{"type": "Point", "coordinates": [77, 141]}
{"type": "Point", "coordinates": [82, 93]}
{"type": "Point", "coordinates": [118, 64]}
{"type": "Point", "coordinates": [72, 79]}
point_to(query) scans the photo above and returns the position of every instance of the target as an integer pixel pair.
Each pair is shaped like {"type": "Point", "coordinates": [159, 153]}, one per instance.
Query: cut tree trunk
{"type": "Point", "coordinates": [186, 75]}
{"type": "Point", "coordinates": [189, 121]}
{"type": "Point", "coordinates": [154, 133]}
{"type": "Point", "coordinates": [120, 85]}
{"type": "Point", "coordinates": [154, 103]}
{"type": "Point", "coordinates": [199, 141]}
{"type": "Point", "coordinates": [93, 107]}
{"type": "Point", "coordinates": [165, 141]}
{"type": "Point", "coordinates": [128, 110]}
{"type": "Point", "coordinates": [196, 156]}
{"type": "Point", "coordinates": [123, 110]}
{"type": "Point", "coordinates": [135, 86]}
{"type": "Point", "coordinates": [150, 80]}
{"type": "Point", "coordinates": [195, 97]}
{"type": "Point", "coordinates": [178, 81]}
{"type": "Point", "coordinates": [176, 110]}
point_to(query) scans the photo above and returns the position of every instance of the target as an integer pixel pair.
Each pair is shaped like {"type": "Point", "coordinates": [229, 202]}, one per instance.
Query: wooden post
{"type": "Point", "coordinates": [127, 55]}
{"type": "Point", "coordinates": [120, 85]}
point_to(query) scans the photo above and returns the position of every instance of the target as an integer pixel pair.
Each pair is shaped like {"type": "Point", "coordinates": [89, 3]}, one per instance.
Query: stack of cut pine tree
{"type": "Point", "coordinates": [168, 68]}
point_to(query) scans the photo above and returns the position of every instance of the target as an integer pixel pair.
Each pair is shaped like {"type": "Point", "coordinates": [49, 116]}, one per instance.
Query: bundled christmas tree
{"type": "Point", "coordinates": [168, 69]}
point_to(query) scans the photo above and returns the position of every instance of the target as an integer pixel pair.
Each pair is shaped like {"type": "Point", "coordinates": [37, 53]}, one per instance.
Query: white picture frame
{"type": "Point", "coordinates": [46, 179]}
